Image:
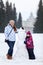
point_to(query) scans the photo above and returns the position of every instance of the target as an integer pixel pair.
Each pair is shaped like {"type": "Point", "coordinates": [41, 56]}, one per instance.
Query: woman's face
{"type": "Point", "coordinates": [12, 23]}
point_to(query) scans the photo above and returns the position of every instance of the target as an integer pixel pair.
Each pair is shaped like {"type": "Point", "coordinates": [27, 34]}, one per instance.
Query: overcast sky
{"type": "Point", "coordinates": [25, 7]}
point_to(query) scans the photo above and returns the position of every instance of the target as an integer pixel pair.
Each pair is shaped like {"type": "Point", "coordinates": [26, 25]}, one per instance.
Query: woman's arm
{"type": "Point", "coordinates": [6, 32]}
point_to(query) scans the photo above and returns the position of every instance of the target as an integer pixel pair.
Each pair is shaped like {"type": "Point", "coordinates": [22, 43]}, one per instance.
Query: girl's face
{"type": "Point", "coordinates": [27, 36]}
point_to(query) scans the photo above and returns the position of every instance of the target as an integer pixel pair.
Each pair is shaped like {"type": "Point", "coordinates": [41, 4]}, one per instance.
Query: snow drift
{"type": "Point", "coordinates": [20, 52]}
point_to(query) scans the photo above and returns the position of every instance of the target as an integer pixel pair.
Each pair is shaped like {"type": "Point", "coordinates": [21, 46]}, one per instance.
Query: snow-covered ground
{"type": "Point", "coordinates": [20, 55]}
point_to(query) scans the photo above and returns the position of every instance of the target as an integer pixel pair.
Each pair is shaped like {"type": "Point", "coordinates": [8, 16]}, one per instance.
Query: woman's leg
{"type": "Point", "coordinates": [11, 45]}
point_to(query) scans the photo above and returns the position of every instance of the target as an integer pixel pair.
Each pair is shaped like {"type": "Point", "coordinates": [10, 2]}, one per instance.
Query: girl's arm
{"type": "Point", "coordinates": [25, 41]}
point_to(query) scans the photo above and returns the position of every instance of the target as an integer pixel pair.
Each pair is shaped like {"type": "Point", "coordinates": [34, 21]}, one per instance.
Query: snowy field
{"type": "Point", "coordinates": [20, 56]}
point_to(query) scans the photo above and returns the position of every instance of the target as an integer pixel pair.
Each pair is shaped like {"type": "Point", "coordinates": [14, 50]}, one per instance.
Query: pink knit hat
{"type": "Point", "coordinates": [28, 33]}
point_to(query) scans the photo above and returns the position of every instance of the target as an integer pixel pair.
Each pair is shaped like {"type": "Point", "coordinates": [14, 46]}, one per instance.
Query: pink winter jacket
{"type": "Point", "coordinates": [29, 42]}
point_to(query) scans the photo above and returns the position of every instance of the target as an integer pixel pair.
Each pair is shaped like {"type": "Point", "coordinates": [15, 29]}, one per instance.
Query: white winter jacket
{"type": "Point", "coordinates": [12, 36]}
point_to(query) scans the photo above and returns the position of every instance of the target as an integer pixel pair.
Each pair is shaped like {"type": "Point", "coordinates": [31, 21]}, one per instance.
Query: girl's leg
{"type": "Point", "coordinates": [28, 52]}
{"type": "Point", "coordinates": [31, 54]}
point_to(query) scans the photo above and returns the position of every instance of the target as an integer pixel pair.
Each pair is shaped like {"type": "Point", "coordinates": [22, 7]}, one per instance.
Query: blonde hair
{"type": "Point", "coordinates": [11, 21]}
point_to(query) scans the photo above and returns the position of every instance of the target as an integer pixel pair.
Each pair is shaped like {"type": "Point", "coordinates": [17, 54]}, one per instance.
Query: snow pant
{"type": "Point", "coordinates": [11, 45]}
{"type": "Point", "coordinates": [31, 53]}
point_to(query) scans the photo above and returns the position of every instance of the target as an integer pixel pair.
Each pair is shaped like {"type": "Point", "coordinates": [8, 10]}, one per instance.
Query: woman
{"type": "Point", "coordinates": [10, 37]}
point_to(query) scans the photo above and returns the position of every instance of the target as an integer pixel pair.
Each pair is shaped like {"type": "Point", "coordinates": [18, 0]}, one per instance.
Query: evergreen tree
{"type": "Point", "coordinates": [2, 11]}
{"type": "Point", "coordinates": [2, 16]}
{"type": "Point", "coordinates": [7, 12]}
{"type": "Point", "coordinates": [14, 14]}
{"type": "Point", "coordinates": [39, 23]}
{"type": "Point", "coordinates": [10, 12]}
{"type": "Point", "coordinates": [19, 21]}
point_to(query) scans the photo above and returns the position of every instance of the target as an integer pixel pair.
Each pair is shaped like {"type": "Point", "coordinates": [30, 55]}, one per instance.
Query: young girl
{"type": "Point", "coordinates": [10, 37]}
{"type": "Point", "coordinates": [29, 45]}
